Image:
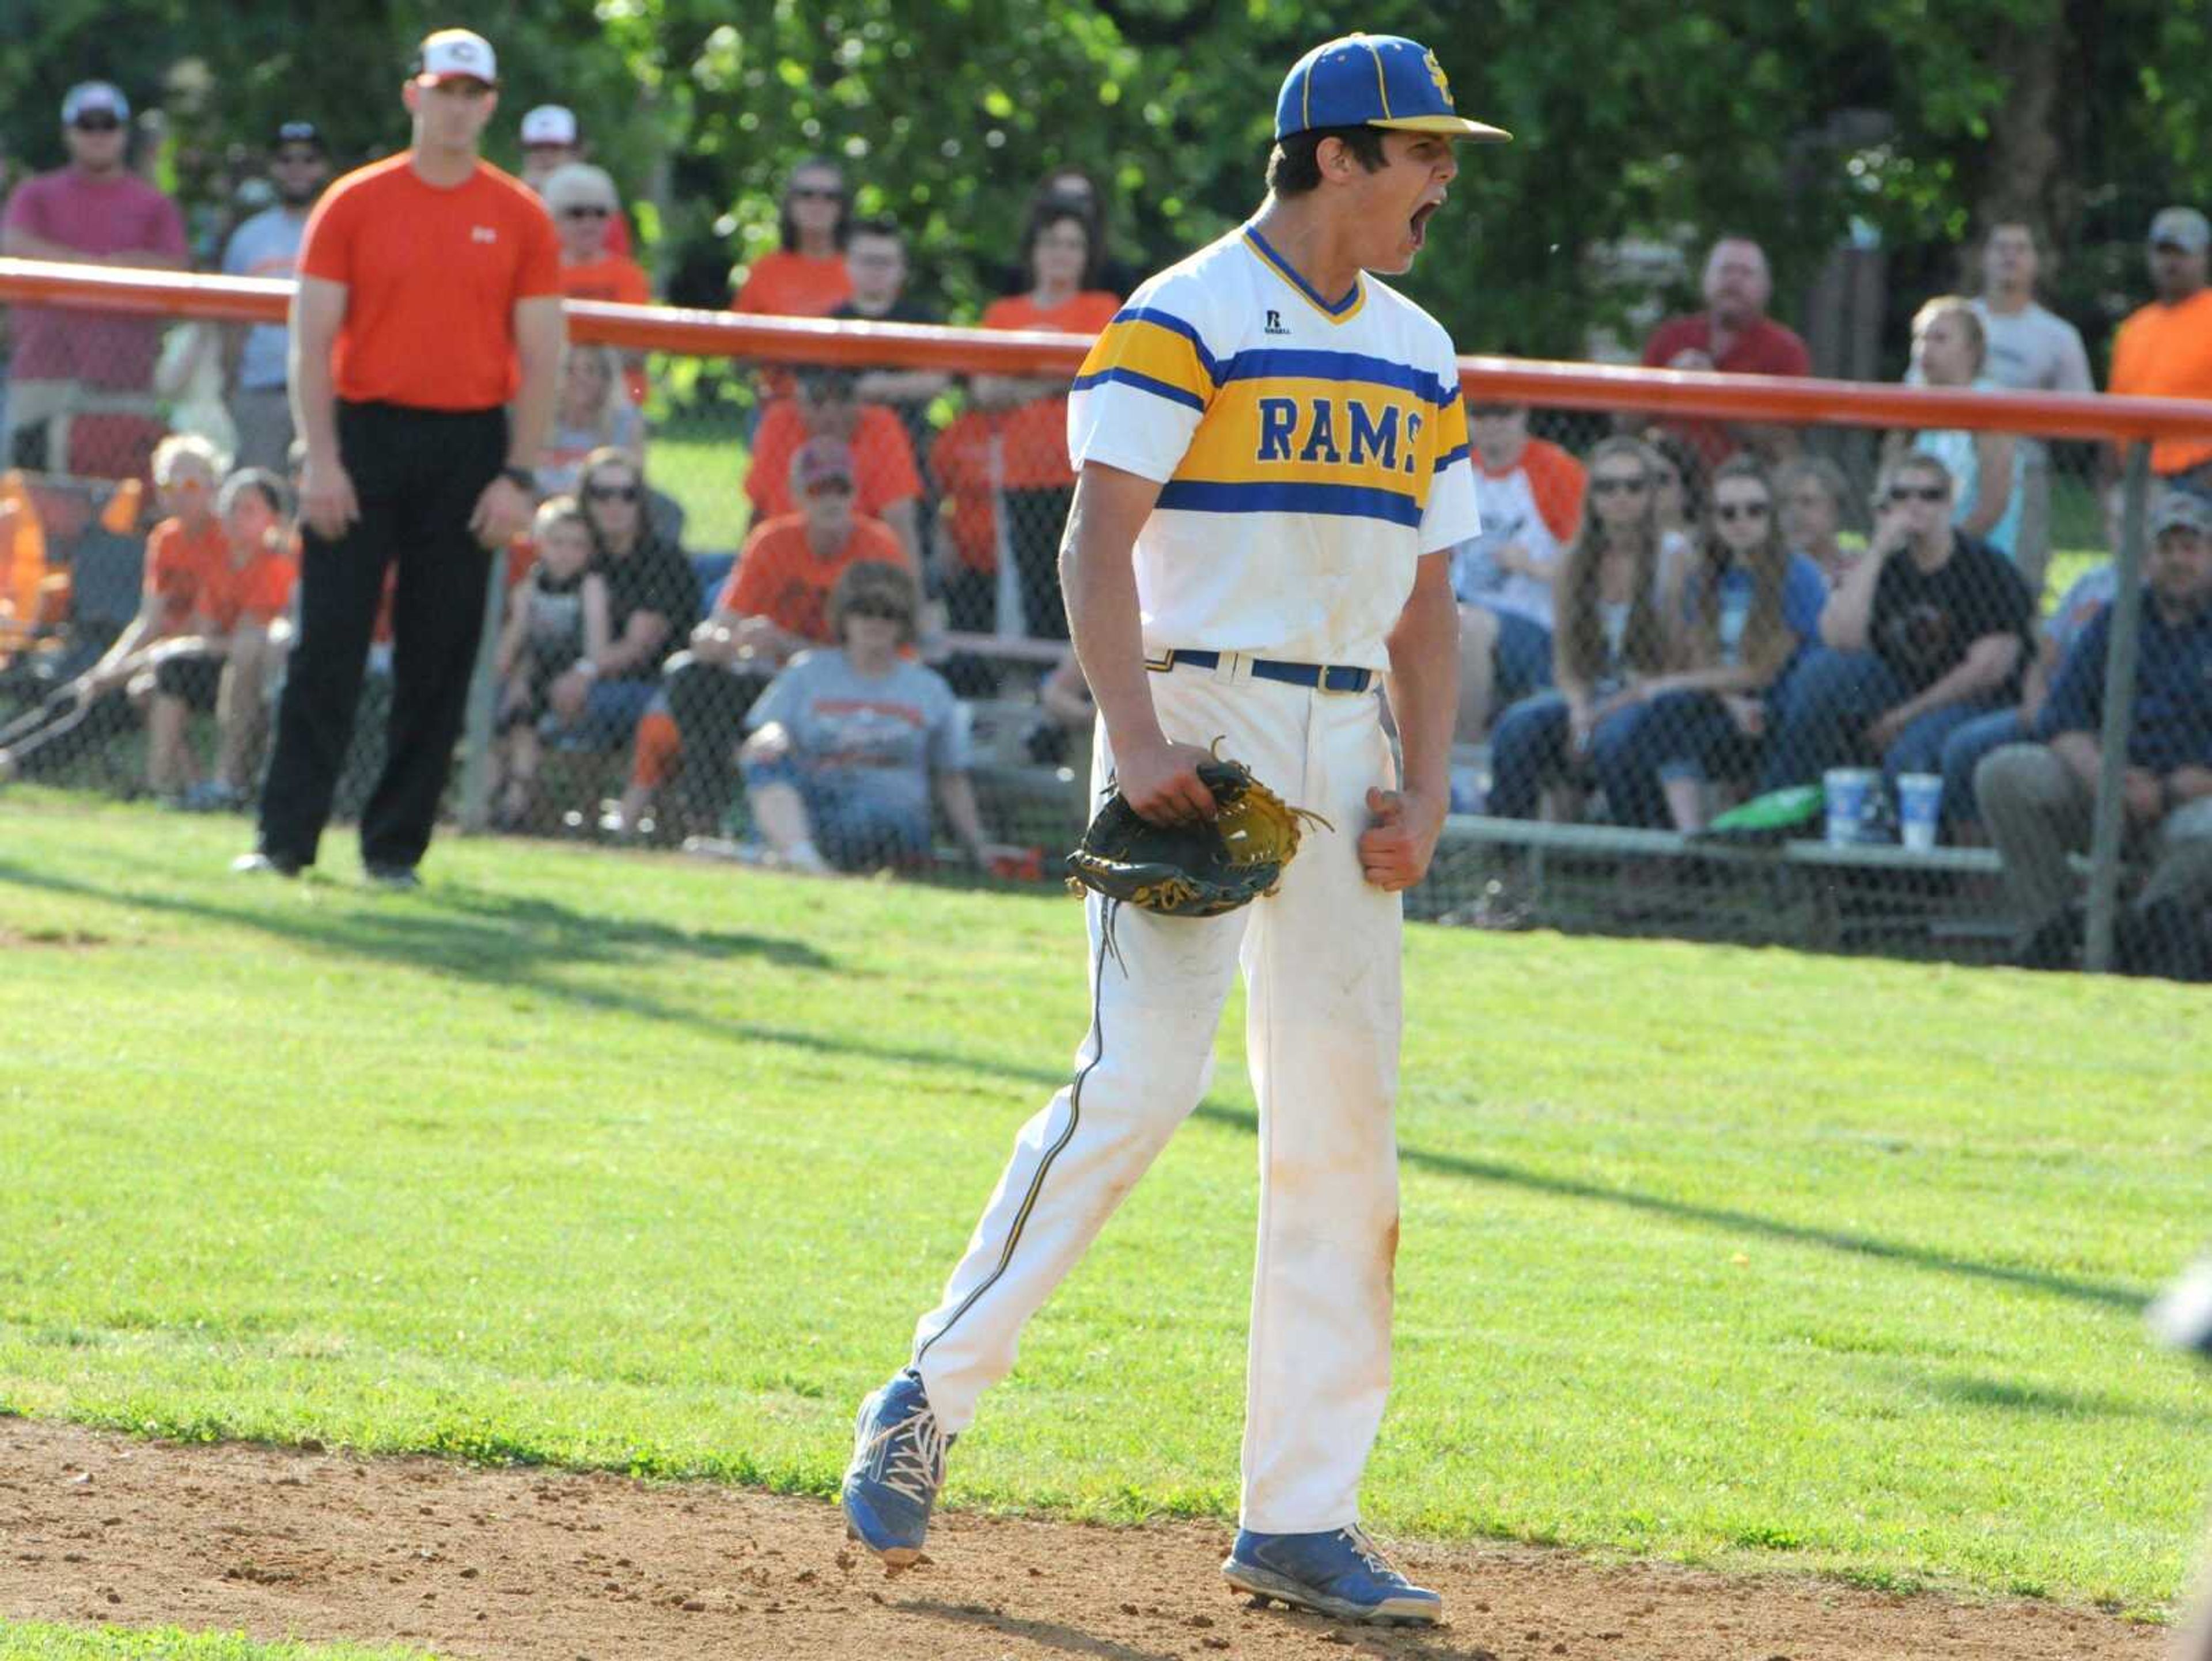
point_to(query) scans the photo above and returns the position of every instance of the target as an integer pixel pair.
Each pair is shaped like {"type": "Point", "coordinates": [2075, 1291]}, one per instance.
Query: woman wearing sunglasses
{"type": "Point", "coordinates": [1929, 630]}
{"type": "Point", "coordinates": [586, 212]}
{"type": "Point", "coordinates": [847, 740]}
{"type": "Point", "coordinates": [804, 275]}
{"type": "Point", "coordinates": [1737, 613]}
{"type": "Point", "coordinates": [1606, 641]}
{"type": "Point", "coordinates": [652, 600]}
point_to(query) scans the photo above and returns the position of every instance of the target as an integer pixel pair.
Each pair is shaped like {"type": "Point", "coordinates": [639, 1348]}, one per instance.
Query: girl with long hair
{"type": "Point", "coordinates": [1606, 641]}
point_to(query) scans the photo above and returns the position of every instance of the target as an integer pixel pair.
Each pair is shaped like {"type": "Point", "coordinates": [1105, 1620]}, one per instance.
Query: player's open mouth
{"type": "Point", "coordinates": [1418, 224]}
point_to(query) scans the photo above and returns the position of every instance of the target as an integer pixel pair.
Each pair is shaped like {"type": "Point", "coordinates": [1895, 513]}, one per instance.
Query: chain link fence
{"type": "Point", "coordinates": [1819, 684]}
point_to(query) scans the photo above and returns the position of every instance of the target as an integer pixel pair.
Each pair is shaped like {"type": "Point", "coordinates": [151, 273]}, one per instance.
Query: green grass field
{"type": "Point", "coordinates": [1738, 1258]}
{"type": "Point", "coordinates": [41, 1642]}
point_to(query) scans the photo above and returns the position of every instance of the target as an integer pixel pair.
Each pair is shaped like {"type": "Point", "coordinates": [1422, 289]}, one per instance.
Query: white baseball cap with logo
{"type": "Point", "coordinates": [549, 124]}
{"type": "Point", "coordinates": [456, 55]}
{"type": "Point", "coordinates": [89, 96]}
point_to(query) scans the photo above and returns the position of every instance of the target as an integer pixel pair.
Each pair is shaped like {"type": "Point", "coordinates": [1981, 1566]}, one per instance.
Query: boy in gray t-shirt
{"type": "Point", "coordinates": [860, 750]}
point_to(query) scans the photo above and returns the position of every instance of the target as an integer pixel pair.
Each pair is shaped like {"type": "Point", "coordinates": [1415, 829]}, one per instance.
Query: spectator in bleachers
{"type": "Point", "coordinates": [2031, 349]}
{"type": "Point", "coordinates": [594, 413]}
{"type": "Point", "coordinates": [1814, 494]}
{"type": "Point", "coordinates": [226, 663]}
{"type": "Point", "coordinates": [1678, 495]}
{"type": "Point", "coordinates": [804, 276]}
{"type": "Point", "coordinates": [652, 600]}
{"type": "Point", "coordinates": [267, 245]}
{"type": "Point", "coordinates": [876, 263]}
{"type": "Point", "coordinates": [961, 463]}
{"type": "Point", "coordinates": [1036, 483]}
{"type": "Point", "coordinates": [1928, 632]}
{"type": "Point", "coordinates": [888, 486]}
{"type": "Point", "coordinates": [1068, 186]}
{"type": "Point", "coordinates": [1530, 494]}
{"type": "Point", "coordinates": [774, 606]}
{"type": "Point", "coordinates": [94, 211]}
{"type": "Point", "coordinates": [586, 210]}
{"type": "Point", "coordinates": [1732, 336]}
{"type": "Point", "coordinates": [1736, 618]}
{"type": "Point", "coordinates": [847, 739]}
{"type": "Point", "coordinates": [187, 542]}
{"type": "Point", "coordinates": [1607, 638]}
{"type": "Point", "coordinates": [2055, 637]}
{"type": "Point", "coordinates": [556, 617]}
{"type": "Point", "coordinates": [2039, 799]}
{"type": "Point", "coordinates": [1950, 350]}
{"type": "Point", "coordinates": [552, 139]}
{"type": "Point", "coordinates": [2163, 349]}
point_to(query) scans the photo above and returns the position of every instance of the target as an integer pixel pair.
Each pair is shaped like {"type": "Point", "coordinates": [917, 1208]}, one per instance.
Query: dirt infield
{"type": "Point", "coordinates": [97, 1528]}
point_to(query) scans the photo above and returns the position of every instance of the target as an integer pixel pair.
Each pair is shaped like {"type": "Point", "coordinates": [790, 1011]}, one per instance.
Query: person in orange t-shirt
{"type": "Point", "coordinates": [429, 304]}
{"type": "Point", "coordinates": [805, 276]}
{"type": "Point", "coordinates": [551, 139]}
{"type": "Point", "coordinates": [2163, 349]}
{"type": "Point", "coordinates": [228, 660]}
{"type": "Point", "coordinates": [180, 549]}
{"type": "Point", "coordinates": [960, 461]}
{"type": "Point", "coordinates": [774, 606]}
{"type": "Point", "coordinates": [585, 208]}
{"type": "Point", "coordinates": [1036, 481]}
{"type": "Point", "coordinates": [888, 486]}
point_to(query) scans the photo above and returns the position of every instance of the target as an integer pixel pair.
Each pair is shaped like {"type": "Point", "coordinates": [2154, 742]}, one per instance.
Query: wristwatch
{"type": "Point", "coordinates": [522, 478]}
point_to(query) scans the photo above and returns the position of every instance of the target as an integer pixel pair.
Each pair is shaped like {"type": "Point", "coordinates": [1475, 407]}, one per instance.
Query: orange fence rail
{"type": "Point", "coordinates": [806, 340]}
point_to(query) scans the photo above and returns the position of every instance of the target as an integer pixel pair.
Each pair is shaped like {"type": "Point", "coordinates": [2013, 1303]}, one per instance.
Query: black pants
{"type": "Point", "coordinates": [417, 474]}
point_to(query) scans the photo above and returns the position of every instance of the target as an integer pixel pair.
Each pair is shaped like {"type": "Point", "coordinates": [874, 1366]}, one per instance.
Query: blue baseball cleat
{"type": "Point", "coordinates": [898, 1465]}
{"type": "Point", "coordinates": [1339, 1572]}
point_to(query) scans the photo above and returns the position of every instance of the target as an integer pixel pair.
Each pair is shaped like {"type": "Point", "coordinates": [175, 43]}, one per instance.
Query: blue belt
{"type": "Point", "coordinates": [1324, 677]}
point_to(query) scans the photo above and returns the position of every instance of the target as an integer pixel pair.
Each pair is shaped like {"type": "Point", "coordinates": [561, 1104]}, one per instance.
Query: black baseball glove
{"type": "Point", "coordinates": [1193, 871]}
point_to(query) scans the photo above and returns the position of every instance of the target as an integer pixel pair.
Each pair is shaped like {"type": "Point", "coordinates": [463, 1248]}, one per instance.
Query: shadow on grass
{"type": "Point", "coordinates": [515, 943]}
{"type": "Point", "coordinates": [1972, 1390]}
{"type": "Point", "coordinates": [2106, 1293]}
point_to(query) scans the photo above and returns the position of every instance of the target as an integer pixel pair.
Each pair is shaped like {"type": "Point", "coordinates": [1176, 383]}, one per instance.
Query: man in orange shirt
{"type": "Point", "coordinates": [886, 484]}
{"type": "Point", "coordinates": [2163, 350]}
{"type": "Point", "coordinates": [774, 606]}
{"type": "Point", "coordinates": [426, 352]}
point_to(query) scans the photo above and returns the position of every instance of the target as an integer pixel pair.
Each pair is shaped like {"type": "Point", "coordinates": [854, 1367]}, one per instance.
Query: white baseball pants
{"type": "Point", "coordinates": [1321, 960]}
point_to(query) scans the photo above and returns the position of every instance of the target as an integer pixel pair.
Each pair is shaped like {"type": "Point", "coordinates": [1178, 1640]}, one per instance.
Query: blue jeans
{"type": "Point", "coordinates": [1523, 656]}
{"type": "Point", "coordinates": [610, 715]}
{"type": "Point", "coordinates": [853, 830]}
{"type": "Point", "coordinates": [1821, 711]}
{"type": "Point", "coordinates": [1529, 750]}
{"type": "Point", "coordinates": [1962, 752]}
{"type": "Point", "coordinates": [1675, 735]}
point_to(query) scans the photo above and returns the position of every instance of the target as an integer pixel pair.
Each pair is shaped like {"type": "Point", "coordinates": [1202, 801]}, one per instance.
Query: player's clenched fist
{"type": "Point", "coordinates": [1161, 782]}
{"type": "Point", "coordinates": [1400, 838]}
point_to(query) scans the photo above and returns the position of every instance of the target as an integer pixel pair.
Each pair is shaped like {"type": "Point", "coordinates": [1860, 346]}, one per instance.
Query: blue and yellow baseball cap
{"type": "Point", "coordinates": [1374, 81]}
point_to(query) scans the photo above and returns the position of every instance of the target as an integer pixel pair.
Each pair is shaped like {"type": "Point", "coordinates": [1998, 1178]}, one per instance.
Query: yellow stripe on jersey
{"type": "Point", "coordinates": [1155, 352]}
{"type": "Point", "coordinates": [1296, 444]}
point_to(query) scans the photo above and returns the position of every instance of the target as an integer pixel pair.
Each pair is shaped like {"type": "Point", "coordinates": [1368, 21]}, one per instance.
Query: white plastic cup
{"type": "Point", "coordinates": [1919, 808]}
{"type": "Point", "coordinates": [1849, 793]}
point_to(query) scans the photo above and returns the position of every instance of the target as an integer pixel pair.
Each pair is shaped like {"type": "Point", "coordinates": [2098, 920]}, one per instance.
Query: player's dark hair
{"type": "Point", "coordinates": [882, 225]}
{"type": "Point", "coordinates": [1056, 210]}
{"type": "Point", "coordinates": [1294, 164]}
{"type": "Point", "coordinates": [789, 227]}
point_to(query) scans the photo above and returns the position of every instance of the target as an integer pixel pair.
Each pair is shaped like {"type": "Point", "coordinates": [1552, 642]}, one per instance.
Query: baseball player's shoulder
{"type": "Point", "coordinates": [1196, 288]}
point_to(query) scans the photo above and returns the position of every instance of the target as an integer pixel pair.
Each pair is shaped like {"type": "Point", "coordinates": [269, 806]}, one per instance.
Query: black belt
{"type": "Point", "coordinates": [1324, 677]}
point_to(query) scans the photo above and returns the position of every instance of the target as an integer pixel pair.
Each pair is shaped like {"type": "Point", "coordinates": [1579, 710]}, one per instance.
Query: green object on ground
{"type": "Point", "coordinates": [1769, 818]}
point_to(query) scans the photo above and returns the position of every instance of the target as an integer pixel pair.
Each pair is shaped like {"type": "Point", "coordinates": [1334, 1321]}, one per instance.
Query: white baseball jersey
{"type": "Point", "coordinates": [1309, 451]}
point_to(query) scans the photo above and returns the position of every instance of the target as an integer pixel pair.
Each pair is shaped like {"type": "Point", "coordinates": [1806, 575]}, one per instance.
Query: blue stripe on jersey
{"type": "Point", "coordinates": [1308, 364]}
{"type": "Point", "coordinates": [1346, 500]}
{"type": "Point", "coordinates": [1451, 456]}
{"type": "Point", "coordinates": [1158, 389]}
{"type": "Point", "coordinates": [1169, 320]}
{"type": "Point", "coordinates": [1335, 308]}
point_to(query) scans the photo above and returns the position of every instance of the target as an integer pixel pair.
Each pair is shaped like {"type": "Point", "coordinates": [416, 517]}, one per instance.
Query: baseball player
{"type": "Point", "coordinates": [1273, 470]}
